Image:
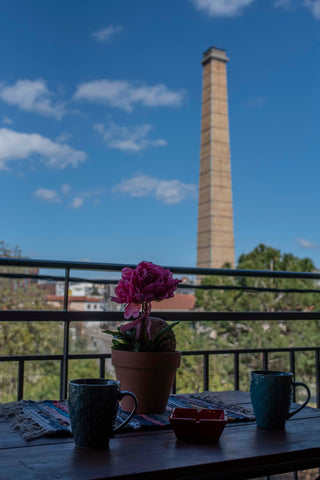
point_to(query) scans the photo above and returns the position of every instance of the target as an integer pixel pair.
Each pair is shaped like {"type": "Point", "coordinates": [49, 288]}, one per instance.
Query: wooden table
{"type": "Point", "coordinates": [243, 451]}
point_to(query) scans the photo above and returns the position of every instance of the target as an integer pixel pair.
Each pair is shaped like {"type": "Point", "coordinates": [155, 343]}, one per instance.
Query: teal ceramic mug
{"type": "Point", "coordinates": [93, 405]}
{"type": "Point", "coordinates": [271, 393]}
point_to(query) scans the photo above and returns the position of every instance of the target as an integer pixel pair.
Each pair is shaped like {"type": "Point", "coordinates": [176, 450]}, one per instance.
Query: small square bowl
{"type": "Point", "coordinates": [203, 425]}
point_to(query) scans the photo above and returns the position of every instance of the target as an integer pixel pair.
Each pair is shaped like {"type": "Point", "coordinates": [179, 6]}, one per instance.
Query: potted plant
{"type": "Point", "coordinates": [143, 350]}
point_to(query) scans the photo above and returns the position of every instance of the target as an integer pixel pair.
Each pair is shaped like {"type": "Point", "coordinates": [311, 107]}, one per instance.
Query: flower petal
{"type": "Point", "coordinates": [132, 310]}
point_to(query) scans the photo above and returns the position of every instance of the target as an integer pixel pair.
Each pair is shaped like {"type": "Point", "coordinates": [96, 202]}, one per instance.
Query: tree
{"type": "Point", "coordinates": [32, 338]}
{"type": "Point", "coordinates": [261, 258]}
{"type": "Point", "coordinates": [258, 334]}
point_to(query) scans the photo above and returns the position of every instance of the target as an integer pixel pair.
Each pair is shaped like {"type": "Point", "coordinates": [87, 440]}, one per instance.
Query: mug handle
{"type": "Point", "coordinates": [127, 420]}
{"type": "Point", "coordinates": [296, 384]}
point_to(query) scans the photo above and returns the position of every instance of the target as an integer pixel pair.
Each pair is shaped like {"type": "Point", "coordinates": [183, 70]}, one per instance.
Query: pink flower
{"type": "Point", "coordinates": [142, 285]}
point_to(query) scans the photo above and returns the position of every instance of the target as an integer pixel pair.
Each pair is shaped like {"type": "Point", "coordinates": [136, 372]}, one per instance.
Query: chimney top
{"type": "Point", "coordinates": [214, 53]}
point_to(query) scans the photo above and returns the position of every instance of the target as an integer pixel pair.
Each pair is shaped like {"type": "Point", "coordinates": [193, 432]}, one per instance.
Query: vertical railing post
{"type": "Point", "coordinates": [102, 367]}
{"type": "Point", "coordinates": [174, 386]}
{"type": "Point", "coordinates": [205, 371]}
{"type": "Point", "coordinates": [61, 380]}
{"type": "Point", "coordinates": [64, 376]}
{"type": "Point", "coordinates": [293, 370]}
{"type": "Point", "coordinates": [265, 360]}
{"type": "Point", "coordinates": [236, 374]}
{"type": "Point", "coordinates": [20, 380]}
{"type": "Point", "coordinates": [317, 359]}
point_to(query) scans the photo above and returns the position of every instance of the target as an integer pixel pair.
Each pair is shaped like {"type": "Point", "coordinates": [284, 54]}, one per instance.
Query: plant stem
{"type": "Point", "coordinates": [144, 315]}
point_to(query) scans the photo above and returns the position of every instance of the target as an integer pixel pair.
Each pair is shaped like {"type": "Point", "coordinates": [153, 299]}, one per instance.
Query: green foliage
{"type": "Point", "coordinates": [42, 378]}
{"type": "Point", "coordinates": [127, 340]}
{"type": "Point", "coordinates": [261, 258]}
{"type": "Point", "coordinates": [220, 335]}
{"type": "Point", "coordinates": [32, 338]}
{"type": "Point", "coordinates": [190, 374]}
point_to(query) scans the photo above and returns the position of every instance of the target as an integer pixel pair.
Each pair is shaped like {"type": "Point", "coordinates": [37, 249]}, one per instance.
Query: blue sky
{"type": "Point", "coordinates": [100, 105]}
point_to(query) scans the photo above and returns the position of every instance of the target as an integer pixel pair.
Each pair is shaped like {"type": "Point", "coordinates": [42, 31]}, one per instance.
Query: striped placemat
{"type": "Point", "coordinates": [51, 418]}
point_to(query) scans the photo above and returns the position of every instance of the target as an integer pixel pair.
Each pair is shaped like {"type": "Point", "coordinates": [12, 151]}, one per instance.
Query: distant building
{"type": "Point", "coordinates": [81, 298]}
{"type": "Point", "coordinates": [77, 303]}
{"type": "Point", "coordinates": [82, 289]}
{"type": "Point", "coordinates": [181, 302]}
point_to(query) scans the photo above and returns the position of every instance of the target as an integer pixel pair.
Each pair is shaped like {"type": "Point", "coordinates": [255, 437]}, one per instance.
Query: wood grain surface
{"type": "Point", "coordinates": [243, 451]}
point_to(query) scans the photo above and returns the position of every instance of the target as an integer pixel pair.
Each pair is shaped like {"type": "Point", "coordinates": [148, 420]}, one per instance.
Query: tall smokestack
{"type": "Point", "coordinates": [215, 212]}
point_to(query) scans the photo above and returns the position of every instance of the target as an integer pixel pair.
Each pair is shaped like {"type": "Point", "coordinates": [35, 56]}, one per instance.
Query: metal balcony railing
{"type": "Point", "coordinates": [66, 317]}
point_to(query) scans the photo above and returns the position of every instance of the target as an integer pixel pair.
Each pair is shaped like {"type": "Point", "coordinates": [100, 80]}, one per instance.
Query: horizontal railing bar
{"type": "Point", "coordinates": [252, 289]}
{"type": "Point", "coordinates": [59, 278]}
{"type": "Point", "coordinates": [60, 264]}
{"type": "Point", "coordinates": [72, 356]}
{"type": "Point", "coordinates": [249, 350]}
{"type": "Point", "coordinates": [229, 351]}
{"type": "Point", "coordinates": [117, 267]}
{"type": "Point", "coordinates": [181, 316]}
{"type": "Point", "coordinates": [21, 359]}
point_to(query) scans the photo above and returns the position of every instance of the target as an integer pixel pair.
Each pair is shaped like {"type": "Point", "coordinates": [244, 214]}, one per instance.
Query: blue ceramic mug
{"type": "Point", "coordinates": [271, 393]}
{"type": "Point", "coordinates": [93, 405]}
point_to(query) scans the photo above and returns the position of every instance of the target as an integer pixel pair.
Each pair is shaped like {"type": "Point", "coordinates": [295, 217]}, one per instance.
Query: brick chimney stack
{"type": "Point", "coordinates": [215, 212]}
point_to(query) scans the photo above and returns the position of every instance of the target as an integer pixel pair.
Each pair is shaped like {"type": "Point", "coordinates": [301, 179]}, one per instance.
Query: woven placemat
{"type": "Point", "coordinates": [51, 418]}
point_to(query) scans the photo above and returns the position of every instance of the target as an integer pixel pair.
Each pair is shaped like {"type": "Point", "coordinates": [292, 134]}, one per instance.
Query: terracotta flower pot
{"type": "Point", "coordinates": [149, 375]}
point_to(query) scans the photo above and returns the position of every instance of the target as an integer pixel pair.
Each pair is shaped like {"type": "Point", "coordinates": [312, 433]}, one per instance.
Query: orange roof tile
{"type": "Point", "coordinates": [179, 302]}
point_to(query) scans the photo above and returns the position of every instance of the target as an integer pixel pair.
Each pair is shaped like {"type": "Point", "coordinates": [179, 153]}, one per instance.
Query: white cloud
{"type": "Point", "coordinates": [65, 188]}
{"type": "Point", "coordinates": [125, 95]}
{"type": "Point", "coordinates": [6, 120]}
{"type": "Point", "coordinates": [166, 191]}
{"type": "Point", "coordinates": [32, 96]}
{"type": "Point", "coordinates": [131, 139]}
{"type": "Point", "coordinates": [107, 33]}
{"type": "Point", "coordinates": [80, 198]}
{"type": "Point", "coordinates": [174, 191]}
{"type": "Point", "coordinates": [17, 146]}
{"type": "Point", "coordinates": [76, 203]}
{"type": "Point", "coordinates": [222, 8]}
{"type": "Point", "coordinates": [63, 138]}
{"type": "Point", "coordinates": [231, 8]}
{"type": "Point", "coordinates": [139, 186]}
{"type": "Point", "coordinates": [306, 243]}
{"type": "Point", "coordinates": [47, 195]}
{"type": "Point", "coordinates": [314, 7]}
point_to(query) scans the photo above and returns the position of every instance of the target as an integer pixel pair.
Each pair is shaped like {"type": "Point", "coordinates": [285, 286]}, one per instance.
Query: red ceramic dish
{"type": "Point", "coordinates": [201, 425]}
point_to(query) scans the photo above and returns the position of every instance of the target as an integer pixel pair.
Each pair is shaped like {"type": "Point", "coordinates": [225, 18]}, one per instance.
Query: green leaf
{"type": "Point", "coordinates": [164, 331]}
{"type": "Point", "coordinates": [109, 332]}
